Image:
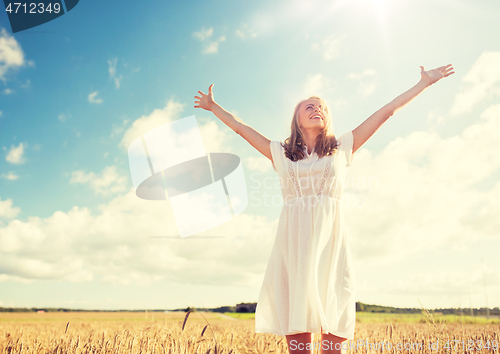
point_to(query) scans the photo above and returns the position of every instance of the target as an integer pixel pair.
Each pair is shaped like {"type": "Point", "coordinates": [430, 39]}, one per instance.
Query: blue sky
{"type": "Point", "coordinates": [74, 91]}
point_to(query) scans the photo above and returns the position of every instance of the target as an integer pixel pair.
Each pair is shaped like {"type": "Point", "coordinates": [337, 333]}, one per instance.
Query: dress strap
{"type": "Point", "coordinates": [298, 190]}
{"type": "Point", "coordinates": [325, 175]}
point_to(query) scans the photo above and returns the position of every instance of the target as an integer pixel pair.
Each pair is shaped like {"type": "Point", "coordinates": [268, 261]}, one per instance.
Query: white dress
{"type": "Point", "coordinates": [309, 284]}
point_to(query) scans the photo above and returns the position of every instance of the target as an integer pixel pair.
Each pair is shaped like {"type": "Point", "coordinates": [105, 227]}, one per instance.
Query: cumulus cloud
{"type": "Point", "coordinates": [329, 46]}
{"type": "Point", "coordinates": [209, 46]}
{"type": "Point", "coordinates": [422, 193]}
{"type": "Point", "coordinates": [482, 82]}
{"type": "Point", "coordinates": [110, 181]}
{"type": "Point", "coordinates": [115, 243]}
{"type": "Point", "coordinates": [245, 32]}
{"type": "Point", "coordinates": [16, 154]}
{"type": "Point", "coordinates": [158, 117]}
{"type": "Point", "coordinates": [317, 85]}
{"type": "Point", "coordinates": [7, 211]}
{"type": "Point", "coordinates": [117, 240]}
{"type": "Point", "coordinates": [203, 33]}
{"type": "Point", "coordinates": [112, 72]}
{"type": "Point", "coordinates": [11, 55]}
{"type": "Point", "coordinates": [436, 288]}
{"type": "Point", "coordinates": [214, 138]}
{"type": "Point", "coordinates": [258, 164]}
{"type": "Point", "coordinates": [11, 176]}
{"type": "Point", "coordinates": [213, 47]}
{"type": "Point", "coordinates": [93, 98]}
{"type": "Point", "coordinates": [366, 81]}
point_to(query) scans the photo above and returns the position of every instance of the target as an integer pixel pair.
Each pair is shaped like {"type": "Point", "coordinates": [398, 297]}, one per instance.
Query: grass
{"type": "Point", "coordinates": [374, 317]}
{"type": "Point", "coordinates": [241, 315]}
{"type": "Point", "coordinates": [371, 317]}
{"type": "Point", "coordinates": [361, 317]}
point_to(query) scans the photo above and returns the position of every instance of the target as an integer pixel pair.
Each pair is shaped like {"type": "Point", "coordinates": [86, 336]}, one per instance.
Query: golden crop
{"type": "Point", "coordinates": [207, 332]}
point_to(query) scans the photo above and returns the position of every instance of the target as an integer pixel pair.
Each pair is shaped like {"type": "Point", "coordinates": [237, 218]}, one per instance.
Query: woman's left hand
{"type": "Point", "coordinates": [432, 76]}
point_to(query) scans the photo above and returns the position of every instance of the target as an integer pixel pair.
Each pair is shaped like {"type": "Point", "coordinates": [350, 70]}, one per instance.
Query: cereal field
{"type": "Point", "coordinates": [134, 332]}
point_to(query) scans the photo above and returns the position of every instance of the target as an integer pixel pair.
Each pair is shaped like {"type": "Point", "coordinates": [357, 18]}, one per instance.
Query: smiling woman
{"type": "Point", "coordinates": [309, 285]}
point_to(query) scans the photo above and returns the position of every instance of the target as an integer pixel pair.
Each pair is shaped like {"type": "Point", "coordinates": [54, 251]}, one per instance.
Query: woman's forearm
{"type": "Point", "coordinates": [227, 118]}
{"type": "Point", "coordinates": [406, 97]}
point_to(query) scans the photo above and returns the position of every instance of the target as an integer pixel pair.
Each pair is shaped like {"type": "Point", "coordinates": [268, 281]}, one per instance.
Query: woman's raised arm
{"type": "Point", "coordinates": [256, 139]}
{"type": "Point", "coordinates": [366, 129]}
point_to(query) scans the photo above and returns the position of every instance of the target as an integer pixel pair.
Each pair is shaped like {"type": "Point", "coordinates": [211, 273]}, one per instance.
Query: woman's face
{"type": "Point", "coordinates": [312, 115]}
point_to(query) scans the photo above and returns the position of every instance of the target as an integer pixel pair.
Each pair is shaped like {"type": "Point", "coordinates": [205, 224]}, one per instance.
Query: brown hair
{"type": "Point", "coordinates": [326, 143]}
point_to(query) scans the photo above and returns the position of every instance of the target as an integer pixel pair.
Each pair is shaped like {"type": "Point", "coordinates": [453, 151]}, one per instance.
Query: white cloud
{"type": "Point", "coordinates": [7, 210]}
{"type": "Point", "coordinates": [211, 47]}
{"type": "Point", "coordinates": [482, 83]}
{"type": "Point", "coordinates": [93, 99]}
{"type": "Point", "coordinates": [112, 72]}
{"type": "Point", "coordinates": [359, 76]}
{"type": "Point", "coordinates": [110, 181]}
{"type": "Point", "coordinates": [436, 288]}
{"type": "Point", "coordinates": [146, 123]}
{"type": "Point", "coordinates": [62, 117]}
{"type": "Point", "coordinates": [425, 195]}
{"type": "Point", "coordinates": [11, 54]}
{"type": "Point", "coordinates": [16, 154]}
{"type": "Point", "coordinates": [245, 32]}
{"type": "Point", "coordinates": [204, 33]}
{"type": "Point", "coordinates": [258, 164]}
{"type": "Point", "coordinates": [366, 80]}
{"type": "Point", "coordinates": [317, 85]}
{"type": "Point", "coordinates": [7, 91]}
{"type": "Point", "coordinates": [11, 176]}
{"type": "Point", "coordinates": [329, 46]}
{"type": "Point", "coordinates": [115, 243]}
{"type": "Point", "coordinates": [437, 282]}
{"type": "Point", "coordinates": [213, 136]}
{"type": "Point", "coordinates": [433, 117]}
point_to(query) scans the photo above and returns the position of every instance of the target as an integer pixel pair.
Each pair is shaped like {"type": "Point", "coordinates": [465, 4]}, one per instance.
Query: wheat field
{"type": "Point", "coordinates": [208, 332]}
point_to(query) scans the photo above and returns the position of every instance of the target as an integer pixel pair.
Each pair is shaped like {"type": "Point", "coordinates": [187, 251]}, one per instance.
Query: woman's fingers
{"type": "Point", "coordinates": [446, 67]}
{"type": "Point", "coordinates": [203, 95]}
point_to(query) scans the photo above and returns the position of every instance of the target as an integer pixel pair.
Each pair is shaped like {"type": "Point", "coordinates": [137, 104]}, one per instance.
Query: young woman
{"type": "Point", "coordinates": [309, 286]}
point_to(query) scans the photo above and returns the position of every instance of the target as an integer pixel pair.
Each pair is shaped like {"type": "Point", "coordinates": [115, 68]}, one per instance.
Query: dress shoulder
{"type": "Point", "coordinates": [346, 143]}
{"type": "Point", "coordinates": [278, 154]}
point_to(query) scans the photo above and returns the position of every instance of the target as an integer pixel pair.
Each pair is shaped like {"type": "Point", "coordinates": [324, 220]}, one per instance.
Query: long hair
{"type": "Point", "coordinates": [326, 143]}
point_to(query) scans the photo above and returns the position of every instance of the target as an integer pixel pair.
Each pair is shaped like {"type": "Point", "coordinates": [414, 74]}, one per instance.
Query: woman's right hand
{"type": "Point", "coordinates": [205, 101]}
